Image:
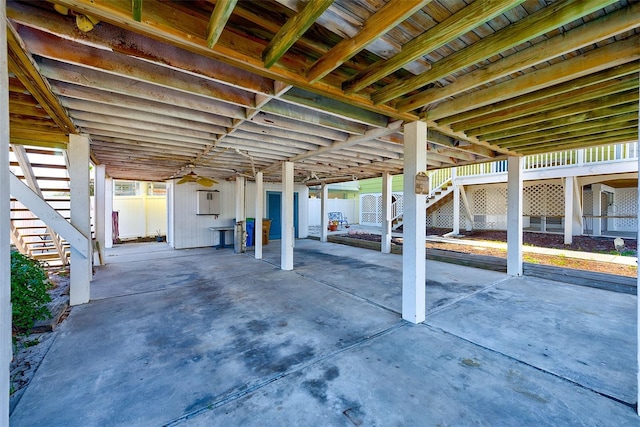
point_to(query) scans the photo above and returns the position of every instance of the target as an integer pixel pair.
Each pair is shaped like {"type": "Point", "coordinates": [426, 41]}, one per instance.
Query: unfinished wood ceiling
{"type": "Point", "coordinates": [233, 87]}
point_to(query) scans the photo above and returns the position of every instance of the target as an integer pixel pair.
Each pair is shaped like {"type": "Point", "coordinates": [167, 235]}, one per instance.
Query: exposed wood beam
{"type": "Point", "coordinates": [584, 107]}
{"type": "Point", "coordinates": [386, 18]}
{"type": "Point", "coordinates": [584, 94]}
{"type": "Point", "coordinates": [593, 61]}
{"type": "Point", "coordinates": [101, 82]}
{"type": "Point", "coordinates": [219, 18]}
{"type": "Point", "coordinates": [625, 135]}
{"type": "Point", "coordinates": [351, 141]}
{"type": "Point", "coordinates": [536, 24]}
{"type": "Point", "coordinates": [451, 28]}
{"type": "Point", "coordinates": [557, 125]}
{"type": "Point", "coordinates": [292, 30]}
{"type": "Point", "coordinates": [154, 26]}
{"type": "Point", "coordinates": [558, 138]}
{"type": "Point", "coordinates": [445, 130]}
{"type": "Point", "coordinates": [96, 99]}
{"type": "Point", "coordinates": [23, 66]}
{"type": "Point", "coordinates": [619, 72]}
{"type": "Point", "coordinates": [589, 33]}
{"type": "Point", "coordinates": [136, 10]}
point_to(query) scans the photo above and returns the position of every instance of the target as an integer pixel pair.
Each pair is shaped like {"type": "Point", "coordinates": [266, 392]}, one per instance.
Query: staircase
{"type": "Point", "coordinates": [438, 195]}
{"type": "Point", "coordinates": [44, 170]}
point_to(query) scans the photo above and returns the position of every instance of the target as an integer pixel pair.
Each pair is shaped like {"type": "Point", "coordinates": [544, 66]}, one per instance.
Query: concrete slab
{"type": "Point", "coordinates": [584, 335]}
{"type": "Point", "coordinates": [216, 338]}
{"type": "Point", "coordinates": [418, 376]}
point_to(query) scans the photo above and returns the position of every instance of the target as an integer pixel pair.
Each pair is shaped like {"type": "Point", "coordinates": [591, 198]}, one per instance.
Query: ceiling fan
{"type": "Point", "coordinates": [198, 179]}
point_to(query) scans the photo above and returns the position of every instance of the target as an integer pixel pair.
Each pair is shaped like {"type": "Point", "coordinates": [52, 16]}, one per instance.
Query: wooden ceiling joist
{"type": "Point", "coordinates": [219, 17]}
{"type": "Point", "coordinates": [534, 25]}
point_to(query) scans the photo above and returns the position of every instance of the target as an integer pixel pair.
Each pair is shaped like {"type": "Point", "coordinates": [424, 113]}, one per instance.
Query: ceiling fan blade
{"type": "Point", "coordinates": [206, 182]}
{"type": "Point", "coordinates": [186, 178]}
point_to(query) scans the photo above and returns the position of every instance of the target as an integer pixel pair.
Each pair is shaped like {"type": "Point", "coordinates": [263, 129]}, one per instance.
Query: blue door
{"type": "Point", "coordinates": [274, 213]}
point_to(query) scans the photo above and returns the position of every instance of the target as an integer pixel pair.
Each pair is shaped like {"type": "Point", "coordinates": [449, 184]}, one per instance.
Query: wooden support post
{"type": "Point", "coordinates": [514, 216]}
{"type": "Point", "coordinates": [286, 250]}
{"type": "Point", "coordinates": [5, 227]}
{"type": "Point", "coordinates": [81, 268]}
{"type": "Point", "coordinates": [259, 214]}
{"type": "Point", "coordinates": [415, 224]}
{"type": "Point", "coordinates": [387, 182]}
{"type": "Point", "coordinates": [324, 215]}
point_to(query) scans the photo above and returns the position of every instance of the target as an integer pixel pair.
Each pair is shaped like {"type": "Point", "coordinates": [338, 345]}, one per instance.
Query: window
{"type": "Point", "coordinates": [126, 188]}
{"type": "Point", "coordinates": [157, 189]}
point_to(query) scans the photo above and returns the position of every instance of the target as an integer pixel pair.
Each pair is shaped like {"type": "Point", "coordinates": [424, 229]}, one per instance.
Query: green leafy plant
{"type": "Point", "coordinates": [29, 295]}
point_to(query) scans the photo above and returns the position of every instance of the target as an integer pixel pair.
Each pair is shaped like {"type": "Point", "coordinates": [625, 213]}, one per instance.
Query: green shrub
{"type": "Point", "coordinates": [29, 295]}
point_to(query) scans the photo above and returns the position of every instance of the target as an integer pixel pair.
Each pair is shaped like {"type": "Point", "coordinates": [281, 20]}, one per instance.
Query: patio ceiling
{"type": "Point", "coordinates": [233, 87]}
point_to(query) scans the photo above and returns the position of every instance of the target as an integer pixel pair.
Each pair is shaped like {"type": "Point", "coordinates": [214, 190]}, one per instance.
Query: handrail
{"type": "Point", "coordinates": [577, 157]}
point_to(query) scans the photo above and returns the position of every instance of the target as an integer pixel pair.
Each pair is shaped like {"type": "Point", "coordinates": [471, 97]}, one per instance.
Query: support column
{"type": "Point", "coordinates": [240, 215]}
{"type": "Point", "coordinates": [108, 212]}
{"type": "Point", "coordinates": [638, 292]}
{"type": "Point", "coordinates": [387, 183]}
{"type": "Point", "coordinates": [81, 268]}
{"type": "Point", "coordinates": [259, 214]}
{"type": "Point", "coordinates": [514, 216]}
{"type": "Point", "coordinates": [5, 227]}
{"type": "Point", "coordinates": [286, 249]}
{"type": "Point", "coordinates": [100, 216]}
{"type": "Point", "coordinates": [324, 215]}
{"type": "Point", "coordinates": [415, 225]}
{"type": "Point", "coordinates": [456, 204]}
{"type": "Point", "coordinates": [596, 221]}
{"type": "Point", "coordinates": [569, 186]}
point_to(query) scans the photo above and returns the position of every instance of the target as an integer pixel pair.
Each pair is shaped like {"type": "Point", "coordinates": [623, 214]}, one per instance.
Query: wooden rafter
{"type": "Point", "coordinates": [292, 30]}
{"type": "Point", "coordinates": [591, 62]}
{"type": "Point", "coordinates": [534, 25]}
{"type": "Point", "coordinates": [23, 66]}
{"type": "Point", "coordinates": [136, 10]}
{"type": "Point", "coordinates": [589, 33]}
{"type": "Point", "coordinates": [457, 24]}
{"type": "Point", "coordinates": [394, 12]}
{"type": "Point", "coordinates": [219, 17]}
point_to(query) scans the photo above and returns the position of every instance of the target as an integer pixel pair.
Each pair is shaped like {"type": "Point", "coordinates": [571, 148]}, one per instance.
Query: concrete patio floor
{"type": "Point", "coordinates": [207, 337]}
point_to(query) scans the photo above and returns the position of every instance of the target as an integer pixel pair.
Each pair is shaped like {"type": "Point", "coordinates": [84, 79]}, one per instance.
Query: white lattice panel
{"type": "Point", "coordinates": [369, 209]}
{"type": "Point", "coordinates": [587, 202]}
{"type": "Point", "coordinates": [625, 203]}
{"type": "Point", "coordinates": [543, 200]}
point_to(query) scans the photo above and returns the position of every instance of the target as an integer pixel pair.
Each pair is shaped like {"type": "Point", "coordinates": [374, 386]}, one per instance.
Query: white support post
{"type": "Point", "coordinates": [286, 249]}
{"type": "Point", "coordinates": [324, 215]}
{"type": "Point", "coordinates": [456, 203]}
{"type": "Point", "coordinates": [100, 216]}
{"type": "Point", "coordinates": [108, 212]}
{"type": "Point", "coordinates": [578, 217]}
{"type": "Point", "coordinates": [259, 214]}
{"type": "Point", "coordinates": [387, 182]}
{"type": "Point", "coordinates": [514, 216]}
{"type": "Point", "coordinates": [415, 225]}
{"type": "Point", "coordinates": [569, 186]}
{"type": "Point", "coordinates": [467, 208]}
{"type": "Point", "coordinates": [638, 294]}
{"type": "Point", "coordinates": [596, 191]}
{"type": "Point", "coordinates": [5, 227]}
{"type": "Point", "coordinates": [81, 268]}
{"type": "Point", "coordinates": [240, 215]}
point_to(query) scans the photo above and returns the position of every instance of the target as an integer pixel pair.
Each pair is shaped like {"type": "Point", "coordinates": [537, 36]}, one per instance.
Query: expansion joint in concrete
{"type": "Point", "coordinates": [239, 394]}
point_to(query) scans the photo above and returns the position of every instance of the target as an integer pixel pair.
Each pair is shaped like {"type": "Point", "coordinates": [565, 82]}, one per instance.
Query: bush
{"type": "Point", "coordinates": [29, 295]}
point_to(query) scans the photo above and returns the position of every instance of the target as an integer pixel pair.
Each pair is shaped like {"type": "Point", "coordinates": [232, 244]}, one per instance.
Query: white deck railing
{"type": "Point", "coordinates": [578, 157]}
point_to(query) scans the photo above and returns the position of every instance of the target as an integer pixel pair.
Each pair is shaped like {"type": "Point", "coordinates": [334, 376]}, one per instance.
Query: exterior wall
{"type": "Point", "coordinates": [141, 215]}
{"type": "Point", "coordinates": [348, 207]}
{"type": "Point", "coordinates": [374, 185]}
{"type": "Point", "coordinates": [192, 231]}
